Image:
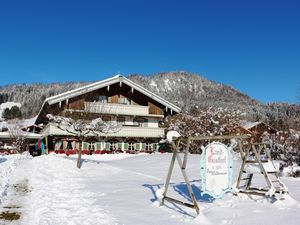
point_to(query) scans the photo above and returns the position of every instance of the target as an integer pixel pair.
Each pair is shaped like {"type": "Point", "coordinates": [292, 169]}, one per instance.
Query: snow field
{"type": "Point", "coordinates": [125, 189]}
{"type": "Point", "coordinates": [62, 194]}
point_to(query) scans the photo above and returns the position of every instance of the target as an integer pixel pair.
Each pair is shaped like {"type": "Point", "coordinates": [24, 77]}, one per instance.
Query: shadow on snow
{"type": "Point", "coordinates": [2, 160]}
{"type": "Point", "coordinates": [182, 190]}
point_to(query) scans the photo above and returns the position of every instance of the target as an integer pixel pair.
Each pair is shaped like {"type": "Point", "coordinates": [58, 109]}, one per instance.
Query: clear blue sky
{"type": "Point", "coordinates": [253, 46]}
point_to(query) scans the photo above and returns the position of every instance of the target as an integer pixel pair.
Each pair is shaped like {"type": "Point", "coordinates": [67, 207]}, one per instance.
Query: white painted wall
{"type": "Point", "coordinates": [153, 122]}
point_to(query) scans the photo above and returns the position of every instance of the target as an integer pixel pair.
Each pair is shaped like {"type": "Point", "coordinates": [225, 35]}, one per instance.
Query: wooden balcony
{"type": "Point", "coordinates": [116, 109]}
{"type": "Point", "coordinates": [125, 131]}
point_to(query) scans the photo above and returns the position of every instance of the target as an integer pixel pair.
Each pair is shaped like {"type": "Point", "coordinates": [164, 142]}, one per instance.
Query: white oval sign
{"type": "Point", "coordinates": [216, 169]}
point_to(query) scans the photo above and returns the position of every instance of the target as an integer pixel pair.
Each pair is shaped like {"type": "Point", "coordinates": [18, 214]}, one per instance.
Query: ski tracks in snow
{"type": "Point", "coordinates": [60, 195]}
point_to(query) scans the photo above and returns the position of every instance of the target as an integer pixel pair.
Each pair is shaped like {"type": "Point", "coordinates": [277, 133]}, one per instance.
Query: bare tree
{"type": "Point", "coordinates": [17, 135]}
{"type": "Point", "coordinates": [81, 128]}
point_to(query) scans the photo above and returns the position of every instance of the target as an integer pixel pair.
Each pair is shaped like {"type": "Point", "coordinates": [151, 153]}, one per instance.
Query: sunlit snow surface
{"type": "Point", "coordinates": [121, 189]}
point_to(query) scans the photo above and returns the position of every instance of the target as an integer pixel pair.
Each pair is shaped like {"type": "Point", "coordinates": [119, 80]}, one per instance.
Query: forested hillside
{"type": "Point", "coordinates": [209, 108]}
{"type": "Point", "coordinates": [32, 96]}
{"type": "Point", "coordinates": [191, 92]}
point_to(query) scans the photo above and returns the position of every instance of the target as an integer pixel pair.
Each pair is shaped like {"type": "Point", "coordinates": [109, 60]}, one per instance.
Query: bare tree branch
{"type": "Point", "coordinates": [81, 128]}
{"type": "Point", "coordinates": [18, 136]}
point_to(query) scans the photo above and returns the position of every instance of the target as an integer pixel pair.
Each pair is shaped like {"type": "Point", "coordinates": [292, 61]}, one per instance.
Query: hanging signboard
{"type": "Point", "coordinates": [216, 169]}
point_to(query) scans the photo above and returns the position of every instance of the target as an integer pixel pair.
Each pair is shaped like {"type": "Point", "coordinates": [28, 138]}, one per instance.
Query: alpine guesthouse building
{"type": "Point", "coordinates": [139, 113]}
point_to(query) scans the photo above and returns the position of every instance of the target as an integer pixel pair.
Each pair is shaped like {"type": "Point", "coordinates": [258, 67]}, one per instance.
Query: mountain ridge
{"type": "Point", "coordinates": [198, 87]}
{"type": "Point", "coordinates": [190, 91]}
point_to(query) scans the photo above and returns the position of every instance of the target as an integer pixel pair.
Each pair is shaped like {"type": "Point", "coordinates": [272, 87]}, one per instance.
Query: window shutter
{"type": "Point", "coordinates": [125, 146]}
{"type": "Point", "coordinates": [84, 146]}
{"type": "Point", "coordinates": [98, 146]}
{"type": "Point", "coordinates": [120, 146]}
{"type": "Point", "coordinates": [138, 146]}
{"type": "Point", "coordinates": [143, 146]}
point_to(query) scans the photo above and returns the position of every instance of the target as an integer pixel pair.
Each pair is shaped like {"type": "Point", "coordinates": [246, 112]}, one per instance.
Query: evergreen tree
{"type": "Point", "coordinates": [6, 114]}
{"type": "Point", "coordinates": [13, 113]}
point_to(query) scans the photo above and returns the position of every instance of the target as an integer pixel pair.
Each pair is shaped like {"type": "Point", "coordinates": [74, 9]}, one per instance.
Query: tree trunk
{"type": "Point", "coordinates": [79, 158]}
{"type": "Point", "coordinates": [79, 155]}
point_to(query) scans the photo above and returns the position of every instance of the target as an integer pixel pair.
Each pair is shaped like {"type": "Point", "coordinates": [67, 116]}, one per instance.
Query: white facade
{"type": "Point", "coordinates": [138, 132]}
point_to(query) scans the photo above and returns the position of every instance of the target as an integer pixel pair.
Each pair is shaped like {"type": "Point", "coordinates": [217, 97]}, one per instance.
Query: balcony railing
{"type": "Point", "coordinates": [125, 131]}
{"type": "Point", "coordinates": [117, 109]}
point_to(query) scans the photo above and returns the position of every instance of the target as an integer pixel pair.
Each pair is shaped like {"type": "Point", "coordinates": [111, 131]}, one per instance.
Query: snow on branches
{"type": "Point", "coordinates": [83, 127]}
{"type": "Point", "coordinates": [206, 122]}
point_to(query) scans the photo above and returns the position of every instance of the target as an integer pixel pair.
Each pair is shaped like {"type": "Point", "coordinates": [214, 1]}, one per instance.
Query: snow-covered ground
{"type": "Point", "coordinates": [120, 189]}
{"type": "Point", "coordinates": [8, 164]}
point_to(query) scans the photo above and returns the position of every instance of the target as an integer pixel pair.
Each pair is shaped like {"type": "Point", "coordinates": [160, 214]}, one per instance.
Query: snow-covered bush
{"type": "Point", "coordinates": [207, 122]}
{"type": "Point", "coordinates": [291, 171]}
{"type": "Point", "coordinates": [286, 147]}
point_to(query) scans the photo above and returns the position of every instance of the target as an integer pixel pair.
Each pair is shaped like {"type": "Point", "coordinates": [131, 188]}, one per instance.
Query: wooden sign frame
{"type": "Point", "coordinates": [182, 165]}
{"type": "Point", "coordinates": [258, 155]}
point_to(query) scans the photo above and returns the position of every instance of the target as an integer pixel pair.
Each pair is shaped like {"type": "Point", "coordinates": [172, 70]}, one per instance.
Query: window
{"type": "Point", "coordinates": [106, 118]}
{"type": "Point", "coordinates": [140, 122]}
{"type": "Point", "coordinates": [113, 146]}
{"type": "Point", "coordinates": [148, 147]}
{"type": "Point", "coordinates": [124, 100]}
{"type": "Point", "coordinates": [61, 145]}
{"type": "Point", "coordinates": [121, 120]}
{"type": "Point", "coordinates": [131, 146]}
{"type": "Point", "coordinates": [69, 144]}
{"type": "Point", "coordinates": [102, 99]}
{"type": "Point", "coordinates": [92, 146]}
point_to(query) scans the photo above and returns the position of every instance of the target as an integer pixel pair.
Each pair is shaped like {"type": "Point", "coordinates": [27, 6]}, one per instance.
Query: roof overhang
{"type": "Point", "coordinates": [104, 83]}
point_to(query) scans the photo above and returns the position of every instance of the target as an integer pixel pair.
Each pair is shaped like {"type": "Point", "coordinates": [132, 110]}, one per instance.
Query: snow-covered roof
{"type": "Point", "coordinates": [3, 124]}
{"type": "Point", "coordinates": [104, 83]}
{"type": "Point", "coordinates": [21, 123]}
{"type": "Point", "coordinates": [7, 135]}
{"type": "Point", "coordinates": [248, 125]}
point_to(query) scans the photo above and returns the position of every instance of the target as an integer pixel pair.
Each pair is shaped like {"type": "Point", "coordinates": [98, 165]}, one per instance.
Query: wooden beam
{"type": "Point", "coordinates": [179, 202]}
{"type": "Point", "coordinates": [219, 137]}
{"type": "Point", "coordinates": [182, 168]}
